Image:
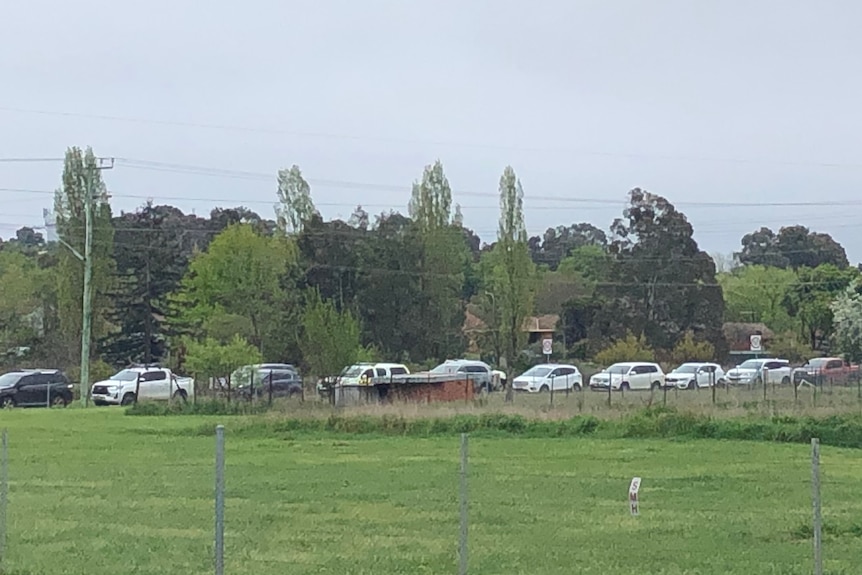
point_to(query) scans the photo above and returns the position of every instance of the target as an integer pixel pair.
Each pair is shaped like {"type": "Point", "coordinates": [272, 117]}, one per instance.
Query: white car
{"type": "Point", "coordinates": [753, 371]}
{"type": "Point", "coordinates": [694, 374]}
{"type": "Point", "coordinates": [367, 374]}
{"type": "Point", "coordinates": [629, 375]}
{"type": "Point", "coordinates": [547, 376]}
{"type": "Point", "coordinates": [146, 382]}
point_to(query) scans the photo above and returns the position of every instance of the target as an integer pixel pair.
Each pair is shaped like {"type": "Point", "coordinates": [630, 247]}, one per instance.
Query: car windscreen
{"type": "Point", "coordinates": [9, 379]}
{"type": "Point", "coordinates": [619, 368]}
{"type": "Point", "coordinates": [751, 364]}
{"type": "Point", "coordinates": [444, 368]}
{"type": "Point", "coordinates": [126, 375]}
{"type": "Point", "coordinates": [537, 372]}
{"type": "Point", "coordinates": [817, 363]}
{"type": "Point", "coordinates": [687, 368]}
{"type": "Point", "coordinates": [354, 371]}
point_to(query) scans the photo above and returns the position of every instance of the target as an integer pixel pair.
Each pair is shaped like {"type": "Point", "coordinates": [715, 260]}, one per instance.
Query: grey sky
{"type": "Point", "coordinates": [706, 101]}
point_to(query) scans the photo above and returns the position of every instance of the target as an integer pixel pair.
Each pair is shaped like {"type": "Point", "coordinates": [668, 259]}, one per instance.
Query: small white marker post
{"type": "Point", "coordinates": [633, 495]}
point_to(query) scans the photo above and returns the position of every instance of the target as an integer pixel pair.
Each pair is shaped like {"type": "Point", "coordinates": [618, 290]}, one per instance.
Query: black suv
{"type": "Point", "coordinates": [279, 379]}
{"type": "Point", "coordinates": [35, 388]}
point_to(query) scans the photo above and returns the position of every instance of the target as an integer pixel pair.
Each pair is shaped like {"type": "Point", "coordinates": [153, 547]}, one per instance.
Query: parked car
{"type": "Point", "coordinates": [816, 371]}
{"type": "Point", "coordinates": [629, 375]}
{"type": "Point", "coordinates": [547, 376]}
{"type": "Point", "coordinates": [751, 372]}
{"type": "Point", "coordinates": [364, 374]}
{"type": "Point", "coordinates": [692, 375]}
{"type": "Point", "coordinates": [478, 371]}
{"type": "Point", "coordinates": [256, 380]}
{"type": "Point", "coordinates": [35, 388]}
{"type": "Point", "coordinates": [142, 382]}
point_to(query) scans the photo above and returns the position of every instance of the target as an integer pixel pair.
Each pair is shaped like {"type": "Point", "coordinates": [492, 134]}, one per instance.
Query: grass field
{"type": "Point", "coordinates": [101, 493]}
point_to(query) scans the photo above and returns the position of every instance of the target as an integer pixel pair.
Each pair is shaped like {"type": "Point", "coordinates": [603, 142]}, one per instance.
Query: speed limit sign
{"type": "Point", "coordinates": [756, 342]}
{"type": "Point", "coordinates": [547, 346]}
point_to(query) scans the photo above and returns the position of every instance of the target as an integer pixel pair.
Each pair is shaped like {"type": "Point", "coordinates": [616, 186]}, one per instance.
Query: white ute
{"type": "Point", "coordinates": [148, 383]}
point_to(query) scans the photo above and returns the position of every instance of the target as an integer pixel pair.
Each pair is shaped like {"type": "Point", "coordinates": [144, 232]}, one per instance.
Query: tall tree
{"type": "Point", "coordinates": [444, 257]}
{"type": "Point", "coordinates": [793, 246]}
{"type": "Point", "coordinates": [558, 243]}
{"type": "Point", "coordinates": [295, 206]}
{"type": "Point", "coordinates": [151, 262]}
{"type": "Point", "coordinates": [513, 270]}
{"type": "Point", "coordinates": [330, 338]}
{"type": "Point", "coordinates": [664, 284]}
{"type": "Point", "coordinates": [69, 210]}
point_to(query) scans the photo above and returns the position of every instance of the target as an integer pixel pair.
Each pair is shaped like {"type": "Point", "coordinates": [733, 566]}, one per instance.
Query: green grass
{"type": "Point", "coordinates": [98, 492]}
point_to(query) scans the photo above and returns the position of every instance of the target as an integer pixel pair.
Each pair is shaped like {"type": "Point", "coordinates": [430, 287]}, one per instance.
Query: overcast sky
{"type": "Point", "coordinates": [729, 102]}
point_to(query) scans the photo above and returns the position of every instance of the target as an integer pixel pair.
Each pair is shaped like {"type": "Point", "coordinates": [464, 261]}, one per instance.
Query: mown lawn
{"type": "Point", "coordinates": [101, 493]}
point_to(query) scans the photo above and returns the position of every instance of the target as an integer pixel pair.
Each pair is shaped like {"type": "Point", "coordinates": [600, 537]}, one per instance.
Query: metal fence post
{"type": "Point", "coordinates": [815, 493]}
{"type": "Point", "coordinates": [219, 501]}
{"type": "Point", "coordinates": [552, 390]}
{"type": "Point", "coordinates": [462, 543]}
{"type": "Point", "coordinates": [712, 385]}
{"type": "Point", "coordinates": [4, 491]}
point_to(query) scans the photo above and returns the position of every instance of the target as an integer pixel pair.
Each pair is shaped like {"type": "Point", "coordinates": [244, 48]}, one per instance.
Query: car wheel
{"type": "Point", "coordinates": [758, 380]}
{"type": "Point", "coordinates": [656, 385]}
{"type": "Point", "coordinates": [7, 403]}
{"type": "Point", "coordinates": [180, 396]}
{"type": "Point", "coordinates": [624, 386]}
{"type": "Point", "coordinates": [576, 387]}
{"type": "Point", "coordinates": [59, 401]}
{"type": "Point", "coordinates": [128, 399]}
{"type": "Point", "coordinates": [692, 384]}
{"type": "Point", "coordinates": [785, 380]}
{"type": "Point", "coordinates": [544, 389]}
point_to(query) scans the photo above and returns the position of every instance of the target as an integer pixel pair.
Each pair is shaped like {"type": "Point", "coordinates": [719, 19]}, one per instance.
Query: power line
{"type": "Point", "coordinates": [29, 160]}
{"type": "Point", "coordinates": [437, 143]}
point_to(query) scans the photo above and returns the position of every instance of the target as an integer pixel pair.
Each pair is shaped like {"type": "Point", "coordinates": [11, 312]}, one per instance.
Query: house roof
{"type": "Point", "coordinates": [541, 323]}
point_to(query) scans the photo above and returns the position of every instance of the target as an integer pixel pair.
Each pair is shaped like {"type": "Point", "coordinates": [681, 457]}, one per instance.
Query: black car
{"type": "Point", "coordinates": [35, 388]}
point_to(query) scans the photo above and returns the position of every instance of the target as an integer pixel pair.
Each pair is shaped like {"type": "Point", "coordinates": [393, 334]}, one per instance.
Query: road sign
{"type": "Point", "coordinates": [547, 346]}
{"type": "Point", "coordinates": [633, 495]}
{"type": "Point", "coordinates": [755, 342]}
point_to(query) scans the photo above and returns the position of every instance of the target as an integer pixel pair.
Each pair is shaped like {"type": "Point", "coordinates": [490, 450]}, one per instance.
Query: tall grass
{"type": "Point", "coordinates": [842, 430]}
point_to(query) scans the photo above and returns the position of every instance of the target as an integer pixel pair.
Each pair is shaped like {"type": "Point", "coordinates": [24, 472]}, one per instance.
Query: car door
{"type": "Point", "coordinates": [555, 380]}
{"type": "Point", "coordinates": [567, 377]}
{"type": "Point", "coordinates": [154, 385]}
{"type": "Point", "coordinates": [704, 375]}
{"type": "Point", "coordinates": [27, 391]}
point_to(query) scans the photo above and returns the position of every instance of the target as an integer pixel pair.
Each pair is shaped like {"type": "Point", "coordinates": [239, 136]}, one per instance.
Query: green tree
{"type": "Point", "coordinates": [20, 306]}
{"type": "Point", "coordinates": [663, 284]}
{"type": "Point", "coordinates": [792, 247]}
{"type": "Point", "coordinates": [755, 294]}
{"type": "Point", "coordinates": [442, 265]}
{"type": "Point", "coordinates": [70, 218]}
{"type": "Point", "coordinates": [330, 338]}
{"type": "Point", "coordinates": [629, 348]}
{"type": "Point", "coordinates": [150, 264]}
{"type": "Point", "coordinates": [295, 206]}
{"type": "Point", "coordinates": [514, 272]}
{"type": "Point", "coordinates": [243, 274]}
{"type": "Point", "coordinates": [690, 349]}
{"type": "Point", "coordinates": [213, 359]}
{"type": "Point", "coordinates": [810, 296]}
{"type": "Point", "coordinates": [847, 317]}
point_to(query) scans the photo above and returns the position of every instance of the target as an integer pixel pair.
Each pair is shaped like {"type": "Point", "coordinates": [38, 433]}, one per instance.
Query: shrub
{"type": "Point", "coordinates": [629, 349]}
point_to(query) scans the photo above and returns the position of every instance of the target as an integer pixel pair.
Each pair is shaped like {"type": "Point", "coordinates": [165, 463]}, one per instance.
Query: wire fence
{"type": "Point", "coordinates": [224, 471]}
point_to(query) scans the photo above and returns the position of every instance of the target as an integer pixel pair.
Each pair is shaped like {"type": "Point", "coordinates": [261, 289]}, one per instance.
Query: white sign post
{"type": "Point", "coordinates": [547, 348]}
{"type": "Point", "coordinates": [755, 343]}
{"type": "Point", "coordinates": [633, 495]}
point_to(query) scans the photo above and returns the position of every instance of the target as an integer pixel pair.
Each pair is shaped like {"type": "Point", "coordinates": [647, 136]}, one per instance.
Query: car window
{"type": "Point", "coordinates": [477, 369]}
{"type": "Point", "coordinates": [368, 373]}
{"type": "Point", "coordinates": [381, 372]}
{"type": "Point", "coordinates": [566, 371]}
{"type": "Point", "coordinates": [27, 381]}
{"type": "Point", "coordinates": [398, 371]}
{"type": "Point", "coordinates": [556, 373]}
{"type": "Point", "coordinates": [835, 364]}
{"type": "Point", "coordinates": [154, 376]}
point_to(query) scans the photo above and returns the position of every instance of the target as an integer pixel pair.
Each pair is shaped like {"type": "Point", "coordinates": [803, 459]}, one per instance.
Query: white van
{"type": "Point", "coordinates": [370, 373]}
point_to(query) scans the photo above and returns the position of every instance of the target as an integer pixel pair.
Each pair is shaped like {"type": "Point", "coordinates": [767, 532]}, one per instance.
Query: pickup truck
{"type": "Point", "coordinates": [824, 369]}
{"type": "Point", "coordinates": [144, 382]}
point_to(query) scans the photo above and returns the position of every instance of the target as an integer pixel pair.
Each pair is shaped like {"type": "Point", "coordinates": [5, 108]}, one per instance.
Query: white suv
{"type": "Point", "coordinates": [752, 372]}
{"type": "Point", "coordinates": [629, 375]}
